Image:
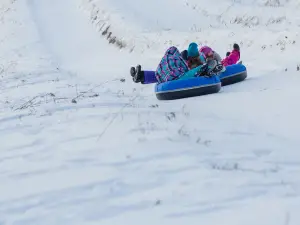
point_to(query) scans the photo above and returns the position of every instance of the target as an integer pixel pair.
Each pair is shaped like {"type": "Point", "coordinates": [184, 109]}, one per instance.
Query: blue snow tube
{"type": "Point", "coordinates": [186, 88]}
{"type": "Point", "coordinates": [233, 74]}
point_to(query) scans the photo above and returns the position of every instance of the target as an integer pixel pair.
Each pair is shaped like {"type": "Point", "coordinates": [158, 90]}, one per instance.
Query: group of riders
{"type": "Point", "coordinates": [189, 63]}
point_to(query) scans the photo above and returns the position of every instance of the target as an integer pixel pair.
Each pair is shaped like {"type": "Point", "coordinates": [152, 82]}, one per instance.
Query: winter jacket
{"type": "Point", "coordinates": [233, 58]}
{"type": "Point", "coordinates": [217, 57]}
{"type": "Point", "coordinates": [171, 67]}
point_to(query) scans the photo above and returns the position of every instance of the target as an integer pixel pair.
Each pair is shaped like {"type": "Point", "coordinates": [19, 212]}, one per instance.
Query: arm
{"type": "Point", "coordinates": [191, 73]}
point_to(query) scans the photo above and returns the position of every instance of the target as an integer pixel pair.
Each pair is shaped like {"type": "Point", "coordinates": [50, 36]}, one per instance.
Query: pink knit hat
{"type": "Point", "coordinates": [206, 50]}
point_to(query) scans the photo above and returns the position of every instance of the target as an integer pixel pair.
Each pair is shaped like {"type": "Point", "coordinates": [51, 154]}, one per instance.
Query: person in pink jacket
{"type": "Point", "coordinates": [232, 57]}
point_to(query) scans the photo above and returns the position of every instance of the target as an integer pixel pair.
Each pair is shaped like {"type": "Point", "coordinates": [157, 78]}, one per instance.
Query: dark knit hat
{"type": "Point", "coordinates": [236, 47]}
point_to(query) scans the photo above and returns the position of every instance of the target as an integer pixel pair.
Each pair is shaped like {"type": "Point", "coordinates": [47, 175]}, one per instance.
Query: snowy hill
{"type": "Point", "coordinates": [81, 144]}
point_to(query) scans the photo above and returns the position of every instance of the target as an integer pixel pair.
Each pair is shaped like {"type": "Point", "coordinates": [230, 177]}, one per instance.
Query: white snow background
{"type": "Point", "coordinates": [81, 144]}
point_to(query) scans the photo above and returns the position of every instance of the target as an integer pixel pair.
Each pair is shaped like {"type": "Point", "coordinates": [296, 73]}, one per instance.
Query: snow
{"type": "Point", "coordinates": [82, 144]}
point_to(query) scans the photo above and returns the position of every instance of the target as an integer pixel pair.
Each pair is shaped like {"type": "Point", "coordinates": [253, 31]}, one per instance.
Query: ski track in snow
{"type": "Point", "coordinates": [80, 146]}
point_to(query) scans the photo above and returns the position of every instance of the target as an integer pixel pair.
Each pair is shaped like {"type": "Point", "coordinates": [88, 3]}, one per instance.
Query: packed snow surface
{"type": "Point", "coordinates": [81, 144]}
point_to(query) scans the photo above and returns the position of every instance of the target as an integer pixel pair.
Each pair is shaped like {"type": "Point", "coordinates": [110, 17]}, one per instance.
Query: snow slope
{"type": "Point", "coordinates": [81, 144]}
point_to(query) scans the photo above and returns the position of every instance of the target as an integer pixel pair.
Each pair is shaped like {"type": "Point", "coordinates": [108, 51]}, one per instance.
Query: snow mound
{"type": "Point", "coordinates": [153, 26]}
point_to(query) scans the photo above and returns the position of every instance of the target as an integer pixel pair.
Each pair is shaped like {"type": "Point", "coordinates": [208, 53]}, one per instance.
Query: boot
{"type": "Point", "coordinates": [214, 67]}
{"type": "Point", "coordinates": [137, 74]}
{"type": "Point", "coordinates": [218, 69]}
{"type": "Point", "coordinates": [132, 71]}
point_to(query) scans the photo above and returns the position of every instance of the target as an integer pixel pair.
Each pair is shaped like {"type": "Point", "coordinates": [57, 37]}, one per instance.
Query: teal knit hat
{"type": "Point", "coordinates": [193, 50]}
